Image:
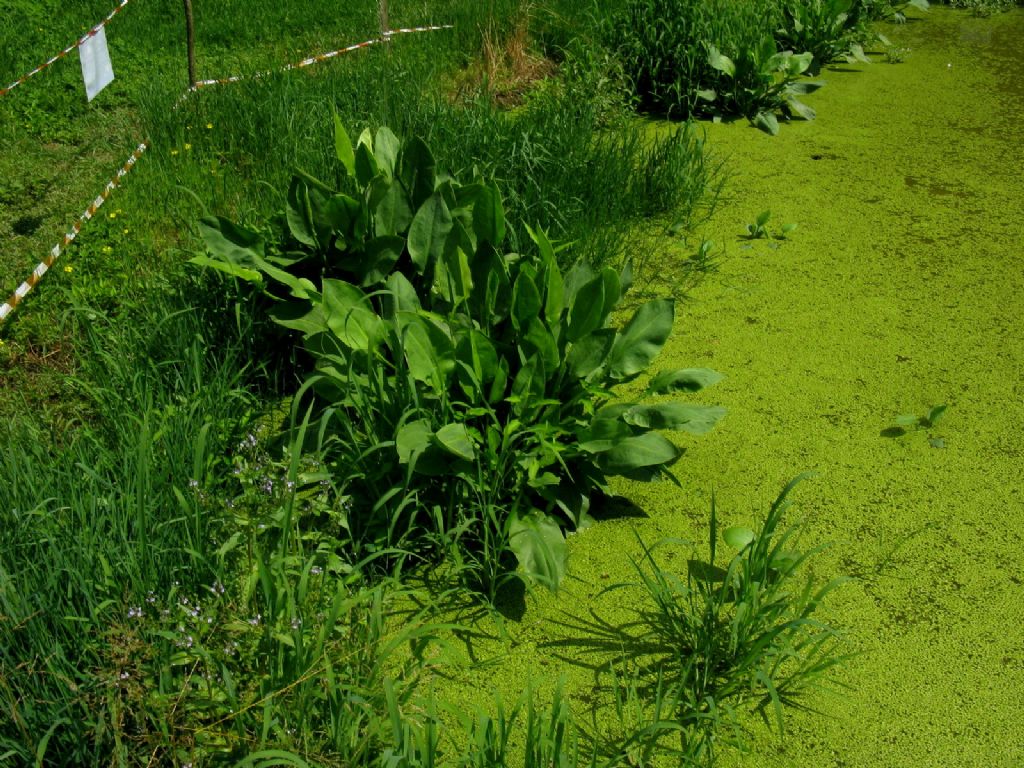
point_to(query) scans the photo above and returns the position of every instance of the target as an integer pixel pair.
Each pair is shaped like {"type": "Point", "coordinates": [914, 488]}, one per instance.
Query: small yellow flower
{"type": "Point", "coordinates": [69, 268]}
{"type": "Point", "coordinates": [209, 126]}
{"type": "Point", "coordinates": [174, 152]}
{"type": "Point", "coordinates": [107, 249]}
{"type": "Point", "coordinates": [124, 231]}
{"type": "Point", "coordinates": [188, 147]}
{"type": "Point", "coordinates": [113, 214]}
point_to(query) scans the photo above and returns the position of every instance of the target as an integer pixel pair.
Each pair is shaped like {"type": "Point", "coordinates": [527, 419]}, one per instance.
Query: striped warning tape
{"type": "Point", "coordinates": [322, 56]}
{"type": "Point", "coordinates": [50, 260]}
{"type": "Point", "coordinates": [45, 264]}
{"type": "Point", "coordinates": [78, 43]}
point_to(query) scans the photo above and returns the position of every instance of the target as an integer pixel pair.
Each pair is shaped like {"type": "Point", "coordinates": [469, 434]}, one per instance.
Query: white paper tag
{"type": "Point", "coordinates": [96, 68]}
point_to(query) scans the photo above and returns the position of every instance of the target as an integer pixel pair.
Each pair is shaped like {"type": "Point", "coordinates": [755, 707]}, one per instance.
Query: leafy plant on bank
{"type": "Point", "coordinates": [893, 10]}
{"type": "Point", "coordinates": [984, 8]}
{"type": "Point", "coordinates": [759, 82]}
{"type": "Point", "coordinates": [828, 29]}
{"type": "Point", "coordinates": [719, 639]}
{"type": "Point", "coordinates": [464, 395]}
{"type": "Point", "coordinates": [705, 58]}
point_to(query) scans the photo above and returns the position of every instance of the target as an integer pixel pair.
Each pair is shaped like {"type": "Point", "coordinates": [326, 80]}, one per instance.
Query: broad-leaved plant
{"type": "Point", "coordinates": [466, 397]}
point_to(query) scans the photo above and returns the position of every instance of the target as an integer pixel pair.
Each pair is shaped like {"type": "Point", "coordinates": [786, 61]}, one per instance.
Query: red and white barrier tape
{"type": "Point", "coordinates": [78, 43]}
{"type": "Point", "coordinates": [321, 56]}
{"type": "Point", "coordinates": [50, 260]}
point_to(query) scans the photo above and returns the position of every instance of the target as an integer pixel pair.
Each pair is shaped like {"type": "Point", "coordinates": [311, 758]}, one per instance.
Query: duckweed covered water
{"type": "Point", "coordinates": [902, 288]}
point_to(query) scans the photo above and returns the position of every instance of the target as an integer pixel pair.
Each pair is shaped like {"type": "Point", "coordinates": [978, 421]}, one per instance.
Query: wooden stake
{"type": "Point", "coordinates": [190, 39]}
{"type": "Point", "coordinates": [382, 8]}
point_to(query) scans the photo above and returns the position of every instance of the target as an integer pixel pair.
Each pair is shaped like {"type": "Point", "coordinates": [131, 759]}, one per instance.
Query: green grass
{"type": "Point", "coordinates": [132, 494]}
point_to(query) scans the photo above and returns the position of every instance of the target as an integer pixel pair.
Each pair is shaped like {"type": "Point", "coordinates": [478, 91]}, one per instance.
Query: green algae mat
{"type": "Point", "coordinates": [902, 289]}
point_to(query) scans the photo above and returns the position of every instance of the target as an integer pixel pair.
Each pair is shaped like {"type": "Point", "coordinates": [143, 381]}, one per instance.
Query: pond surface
{"type": "Point", "coordinates": [901, 289]}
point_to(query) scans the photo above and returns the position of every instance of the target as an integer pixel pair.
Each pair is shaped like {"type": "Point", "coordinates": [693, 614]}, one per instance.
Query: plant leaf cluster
{"type": "Point", "coordinates": [717, 639]}
{"type": "Point", "coordinates": [464, 395]}
{"type": "Point", "coordinates": [760, 82]}
{"type": "Point", "coordinates": [707, 58]}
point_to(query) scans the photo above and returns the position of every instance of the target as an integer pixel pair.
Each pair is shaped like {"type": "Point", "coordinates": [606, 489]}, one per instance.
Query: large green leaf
{"type": "Point", "coordinates": [228, 268]}
{"type": "Point", "coordinates": [604, 434]}
{"type": "Point", "coordinates": [349, 315]}
{"type": "Point", "coordinates": [612, 290]}
{"type": "Point", "coordinates": [539, 546]}
{"type": "Point", "coordinates": [722, 63]}
{"type": "Point", "coordinates": [586, 314]}
{"type": "Point", "coordinates": [366, 164]}
{"type": "Point", "coordinates": [382, 253]}
{"type": "Point", "coordinates": [429, 231]}
{"type": "Point", "coordinates": [302, 316]}
{"type": "Point", "coordinates": [385, 148]}
{"type": "Point", "coordinates": [455, 439]}
{"type": "Point", "coordinates": [343, 147]}
{"type": "Point", "coordinates": [497, 294]}
{"type": "Point", "coordinates": [392, 214]}
{"type": "Point", "coordinates": [299, 287]}
{"type": "Point", "coordinates": [429, 349]}
{"type": "Point", "coordinates": [580, 274]}
{"type": "Point", "coordinates": [526, 302]}
{"type": "Point", "coordinates": [738, 537]}
{"type": "Point", "coordinates": [683, 380]}
{"type": "Point", "coordinates": [454, 278]}
{"type": "Point", "coordinates": [641, 340]}
{"type": "Point", "coordinates": [528, 386]}
{"type": "Point", "coordinates": [767, 122]}
{"type": "Point", "coordinates": [336, 215]}
{"type": "Point", "coordinates": [299, 213]}
{"type": "Point", "coordinates": [489, 216]}
{"type": "Point", "coordinates": [417, 170]}
{"type": "Point", "coordinates": [587, 354]}
{"type": "Point", "coordinates": [554, 293]}
{"type": "Point", "coordinates": [695, 419]}
{"type": "Point", "coordinates": [538, 341]}
{"type": "Point", "coordinates": [499, 385]}
{"type": "Point", "coordinates": [230, 242]}
{"type": "Point", "coordinates": [647, 450]}
{"type": "Point", "coordinates": [478, 356]}
{"type": "Point", "coordinates": [400, 295]}
{"type": "Point", "coordinates": [413, 438]}
{"type": "Point", "coordinates": [797, 106]}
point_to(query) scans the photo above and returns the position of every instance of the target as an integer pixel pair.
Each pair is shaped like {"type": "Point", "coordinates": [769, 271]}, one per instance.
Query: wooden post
{"type": "Point", "coordinates": [190, 40]}
{"type": "Point", "coordinates": [382, 8]}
